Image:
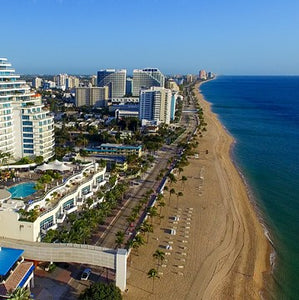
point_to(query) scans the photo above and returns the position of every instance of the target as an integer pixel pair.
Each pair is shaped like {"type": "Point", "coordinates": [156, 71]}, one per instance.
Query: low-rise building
{"type": "Point", "coordinates": [51, 209]}
{"type": "Point", "coordinates": [125, 100]}
{"type": "Point", "coordinates": [14, 271]}
{"type": "Point", "coordinates": [116, 149]}
{"type": "Point", "coordinates": [119, 113]}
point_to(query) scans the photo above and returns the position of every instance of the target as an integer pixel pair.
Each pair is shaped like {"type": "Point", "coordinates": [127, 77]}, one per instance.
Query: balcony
{"type": "Point", "coordinates": [61, 218]}
{"type": "Point", "coordinates": [87, 195]}
{"type": "Point", "coordinates": [48, 227]}
{"type": "Point", "coordinates": [70, 209]}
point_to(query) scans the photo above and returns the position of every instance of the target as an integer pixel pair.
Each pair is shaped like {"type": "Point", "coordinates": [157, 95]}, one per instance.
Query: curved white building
{"type": "Point", "coordinates": [26, 126]}
{"type": "Point", "coordinates": [53, 206]}
{"type": "Point", "coordinates": [146, 78]}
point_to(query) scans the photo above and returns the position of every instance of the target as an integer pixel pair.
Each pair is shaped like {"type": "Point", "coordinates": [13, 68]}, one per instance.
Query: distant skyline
{"type": "Point", "coordinates": [233, 37]}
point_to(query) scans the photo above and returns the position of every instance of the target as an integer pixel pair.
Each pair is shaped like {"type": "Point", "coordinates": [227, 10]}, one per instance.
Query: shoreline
{"type": "Point", "coordinates": [252, 201]}
{"type": "Point", "coordinates": [220, 250]}
{"type": "Point", "coordinates": [250, 193]}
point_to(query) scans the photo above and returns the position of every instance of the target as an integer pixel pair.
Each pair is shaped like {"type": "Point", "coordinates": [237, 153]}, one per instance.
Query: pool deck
{"type": "Point", "coordinates": [30, 176]}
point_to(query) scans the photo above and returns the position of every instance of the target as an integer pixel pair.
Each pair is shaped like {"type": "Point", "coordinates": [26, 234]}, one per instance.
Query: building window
{"type": "Point", "coordinates": [27, 141]}
{"type": "Point", "coordinates": [28, 146]}
{"type": "Point", "coordinates": [28, 151]}
{"type": "Point", "coordinates": [27, 129]}
{"type": "Point", "coordinates": [27, 123]}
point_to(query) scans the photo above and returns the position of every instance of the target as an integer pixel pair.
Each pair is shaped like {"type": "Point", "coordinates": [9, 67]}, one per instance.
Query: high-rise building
{"type": "Point", "coordinates": [202, 75]}
{"type": "Point", "coordinates": [26, 126]}
{"type": "Point", "coordinates": [189, 78]}
{"type": "Point", "coordinates": [174, 96]}
{"type": "Point", "coordinates": [172, 85]}
{"type": "Point", "coordinates": [146, 78]}
{"type": "Point", "coordinates": [37, 82]}
{"type": "Point", "coordinates": [115, 80]}
{"type": "Point", "coordinates": [60, 81]}
{"type": "Point", "coordinates": [93, 80]}
{"type": "Point", "coordinates": [92, 96]}
{"type": "Point", "coordinates": [71, 82]}
{"type": "Point", "coordinates": [155, 104]}
{"type": "Point", "coordinates": [129, 86]}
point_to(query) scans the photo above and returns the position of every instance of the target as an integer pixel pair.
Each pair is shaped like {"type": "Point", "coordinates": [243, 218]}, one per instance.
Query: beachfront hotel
{"type": "Point", "coordinates": [30, 218]}
{"type": "Point", "coordinates": [146, 78]}
{"type": "Point", "coordinates": [26, 126]}
{"type": "Point", "coordinates": [115, 80]}
{"type": "Point", "coordinates": [155, 104]}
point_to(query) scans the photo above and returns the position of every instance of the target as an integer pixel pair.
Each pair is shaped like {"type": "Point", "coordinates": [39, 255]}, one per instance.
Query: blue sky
{"type": "Point", "coordinates": [83, 36]}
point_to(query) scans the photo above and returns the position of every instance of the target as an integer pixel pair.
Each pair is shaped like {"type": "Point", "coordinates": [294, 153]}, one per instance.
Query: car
{"type": "Point", "coordinates": [86, 273]}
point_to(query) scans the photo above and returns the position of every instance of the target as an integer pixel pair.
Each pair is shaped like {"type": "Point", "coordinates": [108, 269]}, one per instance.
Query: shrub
{"type": "Point", "coordinates": [101, 291]}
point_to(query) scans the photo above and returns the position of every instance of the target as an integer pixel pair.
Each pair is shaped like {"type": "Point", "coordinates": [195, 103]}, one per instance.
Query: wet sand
{"type": "Point", "coordinates": [219, 250]}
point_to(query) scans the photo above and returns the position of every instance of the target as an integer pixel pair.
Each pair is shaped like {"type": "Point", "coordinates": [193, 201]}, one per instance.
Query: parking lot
{"type": "Point", "coordinates": [64, 282]}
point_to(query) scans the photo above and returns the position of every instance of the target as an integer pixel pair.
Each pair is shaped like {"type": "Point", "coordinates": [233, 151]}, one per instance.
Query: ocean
{"type": "Point", "coordinates": [262, 114]}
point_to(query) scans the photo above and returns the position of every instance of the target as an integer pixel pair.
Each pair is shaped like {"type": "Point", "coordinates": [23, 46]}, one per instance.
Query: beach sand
{"type": "Point", "coordinates": [219, 250]}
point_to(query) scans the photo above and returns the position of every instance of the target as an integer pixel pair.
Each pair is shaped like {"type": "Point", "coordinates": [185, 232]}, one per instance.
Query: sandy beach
{"type": "Point", "coordinates": [219, 250]}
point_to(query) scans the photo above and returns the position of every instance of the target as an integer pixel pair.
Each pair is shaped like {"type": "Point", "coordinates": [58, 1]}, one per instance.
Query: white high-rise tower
{"type": "Point", "coordinates": [155, 104]}
{"type": "Point", "coordinates": [26, 126]}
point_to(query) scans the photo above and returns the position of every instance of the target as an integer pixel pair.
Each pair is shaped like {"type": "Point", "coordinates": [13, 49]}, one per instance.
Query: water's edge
{"type": "Point", "coordinates": [268, 281]}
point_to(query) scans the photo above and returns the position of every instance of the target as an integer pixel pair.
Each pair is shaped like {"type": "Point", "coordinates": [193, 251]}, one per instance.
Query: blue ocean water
{"type": "Point", "coordinates": [262, 114]}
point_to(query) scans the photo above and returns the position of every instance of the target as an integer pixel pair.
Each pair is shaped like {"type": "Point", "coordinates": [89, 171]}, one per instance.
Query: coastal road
{"type": "Point", "coordinates": [119, 221]}
{"type": "Point", "coordinates": [148, 181]}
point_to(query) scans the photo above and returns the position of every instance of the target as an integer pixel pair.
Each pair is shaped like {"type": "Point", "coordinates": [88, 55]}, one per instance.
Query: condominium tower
{"type": "Point", "coordinates": [92, 96]}
{"type": "Point", "coordinates": [155, 104]}
{"type": "Point", "coordinates": [146, 78]}
{"type": "Point", "coordinates": [115, 80]}
{"type": "Point", "coordinates": [26, 126]}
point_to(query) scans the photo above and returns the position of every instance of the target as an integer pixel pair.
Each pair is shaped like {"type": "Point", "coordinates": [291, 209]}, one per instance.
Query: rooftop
{"type": "Point", "coordinates": [8, 257]}
{"type": "Point", "coordinates": [120, 146]}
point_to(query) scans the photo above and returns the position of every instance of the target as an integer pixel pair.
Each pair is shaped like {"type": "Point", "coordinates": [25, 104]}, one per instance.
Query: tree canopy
{"type": "Point", "coordinates": [101, 291]}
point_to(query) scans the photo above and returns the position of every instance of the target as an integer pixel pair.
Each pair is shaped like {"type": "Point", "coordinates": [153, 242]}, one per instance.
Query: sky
{"type": "Point", "coordinates": [232, 37]}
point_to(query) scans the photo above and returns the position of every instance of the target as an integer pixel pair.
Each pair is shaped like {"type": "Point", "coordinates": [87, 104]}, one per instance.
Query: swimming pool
{"type": "Point", "coordinates": [22, 190]}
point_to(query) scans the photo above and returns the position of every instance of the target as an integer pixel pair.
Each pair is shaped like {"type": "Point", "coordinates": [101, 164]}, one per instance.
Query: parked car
{"type": "Point", "coordinates": [86, 273]}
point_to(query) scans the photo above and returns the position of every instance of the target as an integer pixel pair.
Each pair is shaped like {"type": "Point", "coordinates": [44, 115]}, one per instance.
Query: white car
{"type": "Point", "coordinates": [86, 273]}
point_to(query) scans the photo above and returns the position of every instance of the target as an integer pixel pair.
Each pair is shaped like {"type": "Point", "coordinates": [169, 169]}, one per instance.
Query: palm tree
{"type": "Point", "coordinates": [152, 212]}
{"type": "Point", "coordinates": [4, 156]}
{"type": "Point", "coordinates": [172, 178]}
{"type": "Point", "coordinates": [159, 256]}
{"type": "Point", "coordinates": [19, 294]}
{"type": "Point", "coordinates": [147, 228]}
{"type": "Point", "coordinates": [120, 237]}
{"type": "Point", "coordinates": [153, 273]}
{"type": "Point", "coordinates": [149, 192]}
{"type": "Point", "coordinates": [180, 170]}
{"type": "Point", "coordinates": [143, 201]}
{"type": "Point", "coordinates": [160, 197]}
{"type": "Point", "coordinates": [131, 219]}
{"type": "Point", "coordinates": [138, 241]}
{"type": "Point", "coordinates": [161, 204]}
{"type": "Point", "coordinates": [184, 178]}
{"type": "Point", "coordinates": [171, 192]}
{"type": "Point", "coordinates": [179, 194]}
